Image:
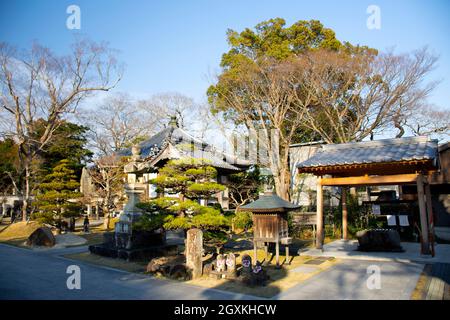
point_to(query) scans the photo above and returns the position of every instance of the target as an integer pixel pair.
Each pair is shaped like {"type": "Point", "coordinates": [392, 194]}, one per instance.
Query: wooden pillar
{"type": "Point", "coordinates": [423, 215]}
{"type": "Point", "coordinates": [266, 249]}
{"type": "Point", "coordinates": [287, 255]}
{"type": "Point", "coordinates": [344, 213]}
{"type": "Point", "coordinates": [430, 216]}
{"type": "Point", "coordinates": [277, 253]}
{"type": "Point", "coordinates": [320, 231]}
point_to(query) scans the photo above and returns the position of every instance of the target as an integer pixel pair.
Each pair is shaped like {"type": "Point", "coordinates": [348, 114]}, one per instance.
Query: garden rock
{"type": "Point", "coordinates": [42, 236]}
{"type": "Point", "coordinates": [379, 240]}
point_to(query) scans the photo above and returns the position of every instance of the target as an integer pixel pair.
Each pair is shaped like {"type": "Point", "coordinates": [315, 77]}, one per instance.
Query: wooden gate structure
{"type": "Point", "coordinates": [400, 161]}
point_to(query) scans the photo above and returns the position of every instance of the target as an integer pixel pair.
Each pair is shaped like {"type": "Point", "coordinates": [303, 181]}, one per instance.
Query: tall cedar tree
{"type": "Point", "coordinates": [55, 200]}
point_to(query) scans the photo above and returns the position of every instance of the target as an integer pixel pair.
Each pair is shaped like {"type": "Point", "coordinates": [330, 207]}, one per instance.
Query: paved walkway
{"type": "Point", "coordinates": [27, 274]}
{"type": "Point", "coordinates": [348, 281]}
{"type": "Point", "coordinates": [348, 250]}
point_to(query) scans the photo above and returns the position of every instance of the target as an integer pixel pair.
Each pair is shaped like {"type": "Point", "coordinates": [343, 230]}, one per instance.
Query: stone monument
{"type": "Point", "coordinates": [133, 190]}
{"type": "Point", "coordinates": [194, 252]}
{"type": "Point", "coordinates": [125, 242]}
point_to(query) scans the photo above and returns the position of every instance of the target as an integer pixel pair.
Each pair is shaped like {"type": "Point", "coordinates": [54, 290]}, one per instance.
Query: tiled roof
{"type": "Point", "coordinates": [269, 203]}
{"type": "Point", "coordinates": [154, 146]}
{"type": "Point", "coordinates": [380, 151]}
{"type": "Point", "coordinates": [215, 159]}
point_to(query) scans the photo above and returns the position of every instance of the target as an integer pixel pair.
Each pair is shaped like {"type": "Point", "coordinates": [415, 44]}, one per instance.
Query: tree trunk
{"type": "Point", "coordinates": [26, 194]}
{"type": "Point", "coordinates": [107, 220]}
{"type": "Point", "coordinates": [282, 183]}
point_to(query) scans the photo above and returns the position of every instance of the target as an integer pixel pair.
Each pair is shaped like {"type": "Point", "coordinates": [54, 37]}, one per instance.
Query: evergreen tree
{"type": "Point", "coordinates": [9, 179]}
{"type": "Point", "coordinates": [57, 195]}
{"type": "Point", "coordinates": [193, 180]}
{"type": "Point", "coordinates": [68, 143]}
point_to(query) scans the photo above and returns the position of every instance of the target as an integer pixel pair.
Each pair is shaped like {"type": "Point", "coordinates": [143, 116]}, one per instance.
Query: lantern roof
{"type": "Point", "coordinates": [269, 202]}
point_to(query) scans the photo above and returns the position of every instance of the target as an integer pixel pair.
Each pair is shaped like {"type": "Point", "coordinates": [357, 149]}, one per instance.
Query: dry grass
{"type": "Point", "coordinates": [19, 231]}
{"type": "Point", "coordinates": [137, 267]}
{"type": "Point", "coordinates": [112, 224]}
{"type": "Point", "coordinates": [94, 237]}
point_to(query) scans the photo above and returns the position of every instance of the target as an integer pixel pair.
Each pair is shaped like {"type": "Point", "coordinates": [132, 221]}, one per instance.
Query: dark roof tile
{"type": "Point", "coordinates": [388, 150]}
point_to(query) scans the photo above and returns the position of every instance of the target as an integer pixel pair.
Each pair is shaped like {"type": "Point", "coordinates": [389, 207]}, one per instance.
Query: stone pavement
{"type": "Point", "coordinates": [348, 281]}
{"type": "Point", "coordinates": [27, 274]}
{"type": "Point", "coordinates": [347, 250]}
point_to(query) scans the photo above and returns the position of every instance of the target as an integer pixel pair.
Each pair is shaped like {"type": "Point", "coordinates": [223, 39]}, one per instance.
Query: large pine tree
{"type": "Point", "coordinates": [57, 195]}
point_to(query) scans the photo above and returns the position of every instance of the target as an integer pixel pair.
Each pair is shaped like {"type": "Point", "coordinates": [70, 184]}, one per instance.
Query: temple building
{"type": "Point", "coordinates": [174, 143]}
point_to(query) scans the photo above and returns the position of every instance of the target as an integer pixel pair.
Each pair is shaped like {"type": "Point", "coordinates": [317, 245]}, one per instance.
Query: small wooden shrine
{"type": "Point", "coordinates": [270, 223]}
{"type": "Point", "coordinates": [410, 161]}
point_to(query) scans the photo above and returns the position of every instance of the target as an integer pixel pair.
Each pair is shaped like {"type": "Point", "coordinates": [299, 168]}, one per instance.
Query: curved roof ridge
{"type": "Point", "coordinates": [378, 143]}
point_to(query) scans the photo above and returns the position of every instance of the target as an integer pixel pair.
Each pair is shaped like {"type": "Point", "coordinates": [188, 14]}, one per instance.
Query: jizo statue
{"type": "Point", "coordinates": [231, 262]}
{"type": "Point", "coordinates": [220, 263]}
{"type": "Point", "coordinates": [246, 261]}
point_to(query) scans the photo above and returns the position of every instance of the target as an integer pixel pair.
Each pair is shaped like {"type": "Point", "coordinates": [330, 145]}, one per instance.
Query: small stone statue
{"type": "Point", "coordinates": [246, 262]}
{"type": "Point", "coordinates": [245, 274]}
{"type": "Point", "coordinates": [259, 275]}
{"type": "Point", "coordinates": [252, 275]}
{"type": "Point", "coordinates": [257, 267]}
{"type": "Point", "coordinates": [231, 263]}
{"type": "Point", "coordinates": [220, 263]}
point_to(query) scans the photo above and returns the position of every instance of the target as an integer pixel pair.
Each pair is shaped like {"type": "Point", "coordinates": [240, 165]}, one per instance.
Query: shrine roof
{"type": "Point", "coordinates": [373, 152]}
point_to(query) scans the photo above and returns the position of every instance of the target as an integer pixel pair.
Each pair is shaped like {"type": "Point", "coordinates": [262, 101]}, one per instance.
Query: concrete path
{"type": "Point", "coordinates": [27, 274]}
{"type": "Point", "coordinates": [348, 250]}
{"type": "Point", "coordinates": [348, 281]}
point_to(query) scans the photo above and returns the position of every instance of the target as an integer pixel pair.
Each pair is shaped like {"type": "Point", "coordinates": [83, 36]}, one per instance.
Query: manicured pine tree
{"type": "Point", "coordinates": [193, 180]}
{"type": "Point", "coordinates": [57, 194]}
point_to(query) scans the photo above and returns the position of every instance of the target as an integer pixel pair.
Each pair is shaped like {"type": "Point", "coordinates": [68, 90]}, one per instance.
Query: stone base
{"type": "Point", "coordinates": [138, 254]}
{"type": "Point", "coordinates": [133, 247]}
{"type": "Point", "coordinates": [137, 239]}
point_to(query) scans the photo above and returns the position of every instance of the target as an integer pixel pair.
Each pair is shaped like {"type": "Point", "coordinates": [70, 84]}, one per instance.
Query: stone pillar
{"type": "Point", "coordinates": [89, 210]}
{"type": "Point", "coordinates": [194, 252]}
{"type": "Point", "coordinates": [225, 199]}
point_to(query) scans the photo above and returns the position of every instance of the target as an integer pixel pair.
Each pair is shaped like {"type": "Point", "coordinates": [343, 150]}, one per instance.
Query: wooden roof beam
{"type": "Point", "coordinates": [370, 180]}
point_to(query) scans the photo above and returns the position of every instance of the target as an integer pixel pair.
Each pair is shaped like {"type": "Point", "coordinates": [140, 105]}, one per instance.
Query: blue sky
{"type": "Point", "coordinates": [177, 45]}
